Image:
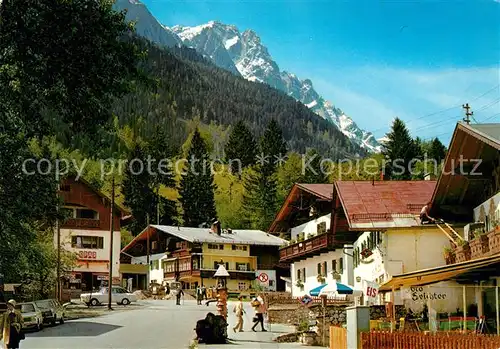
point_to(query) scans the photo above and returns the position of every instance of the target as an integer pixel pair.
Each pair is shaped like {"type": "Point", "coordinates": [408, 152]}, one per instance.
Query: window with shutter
{"type": "Point", "coordinates": [298, 275]}
{"type": "Point", "coordinates": [319, 269]}
{"type": "Point", "coordinates": [325, 269]}
{"type": "Point", "coordinates": [304, 274]}
{"type": "Point", "coordinates": [341, 265]}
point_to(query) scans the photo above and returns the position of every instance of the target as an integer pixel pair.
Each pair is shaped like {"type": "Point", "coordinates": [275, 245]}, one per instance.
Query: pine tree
{"type": "Point", "coordinates": [142, 181]}
{"type": "Point", "coordinates": [197, 186]}
{"type": "Point", "coordinates": [437, 150]}
{"type": "Point", "coordinates": [260, 198]}
{"type": "Point", "coordinates": [272, 147]}
{"type": "Point", "coordinates": [136, 187]}
{"type": "Point", "coordinates": [399, 150]}
{"type": "Point", "coordinates": [240, 147]}
{"type": "Point", "coordinates": [313, 173]}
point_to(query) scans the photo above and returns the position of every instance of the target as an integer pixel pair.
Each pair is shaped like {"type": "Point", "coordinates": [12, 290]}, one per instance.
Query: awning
{"type": "Point", "coordinates": [438, 274]}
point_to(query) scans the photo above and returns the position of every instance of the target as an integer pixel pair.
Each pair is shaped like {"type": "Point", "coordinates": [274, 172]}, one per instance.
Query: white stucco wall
{"type": "Point", "coordinates": [310, 227]}
{"type": "Point", "coordinates": [311, 265]}
{"type": "Point", "coordinates": [487, 210]}
{"type": "Point", "coordinates": [401, 251]}
{"type": "Point", "coordinates": [101, 254]}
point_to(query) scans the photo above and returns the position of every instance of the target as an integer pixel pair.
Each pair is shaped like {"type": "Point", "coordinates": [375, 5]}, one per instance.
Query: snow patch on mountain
{"type": "Point", "coordinates": [231, 42]}
{"type": "Point", "coordinates": [312, 104]}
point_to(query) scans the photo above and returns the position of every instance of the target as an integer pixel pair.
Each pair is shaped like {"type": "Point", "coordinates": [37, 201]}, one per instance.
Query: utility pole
{"type": "Point", "coordinates": [58, 241]}
{"type": "Point", "coordinates": [111, 231]}
{"type": "Point", "coordinates": [147, 250]}
{"type": "Point", "coordinates": [468, 113]}
{"type": "Point", "coordinates": [158, 205]}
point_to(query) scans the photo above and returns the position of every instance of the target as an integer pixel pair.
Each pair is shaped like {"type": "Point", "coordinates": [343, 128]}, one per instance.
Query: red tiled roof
{"type": "Point", "coordinates": [324, 191]}
{"type": "Point", "coordinates": [377, 200]}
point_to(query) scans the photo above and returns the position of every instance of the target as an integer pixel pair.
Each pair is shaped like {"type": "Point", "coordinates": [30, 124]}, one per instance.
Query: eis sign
{"type": "Point", "coordinates": [87, 255]}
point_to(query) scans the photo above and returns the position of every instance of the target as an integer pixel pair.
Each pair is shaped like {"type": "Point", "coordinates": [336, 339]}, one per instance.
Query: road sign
{"type": "Point", "coordinates": [306, 300]}
{"type": "Point", "coordinates": [263, 277]}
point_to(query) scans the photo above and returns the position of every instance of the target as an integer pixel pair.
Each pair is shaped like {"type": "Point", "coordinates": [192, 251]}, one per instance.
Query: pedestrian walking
{"type": "Point", "coordinates": [204, 292]}
{"type": "Point", "coordinates": [11, 323]}
{"type": "Point", "coordinates": [199, 295]}
{"type": "Point", "coordinates": [239, 311]}
{"type": "Point", "coordinates": [129, 285]}
{"type": "Point", "coordinates": [260, 310]}
{"type": "Point", "coordinates": [178, 296]}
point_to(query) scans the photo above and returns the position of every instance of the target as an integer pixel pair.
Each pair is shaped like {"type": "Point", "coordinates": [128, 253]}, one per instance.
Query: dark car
{"type": "Point", "coordinates": [52, 311]}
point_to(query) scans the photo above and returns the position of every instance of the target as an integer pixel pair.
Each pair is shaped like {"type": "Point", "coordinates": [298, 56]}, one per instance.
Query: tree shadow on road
{"type": "Point", "coordinates": [76, 329]}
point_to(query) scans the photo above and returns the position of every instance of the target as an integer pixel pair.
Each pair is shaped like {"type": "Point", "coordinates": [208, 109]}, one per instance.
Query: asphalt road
{"type": "Point", "coordinates": [157, 324]}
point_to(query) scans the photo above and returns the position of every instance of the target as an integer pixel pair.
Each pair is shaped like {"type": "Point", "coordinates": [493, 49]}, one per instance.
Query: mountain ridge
{"type": "Point", "coordinates": [243, 54]}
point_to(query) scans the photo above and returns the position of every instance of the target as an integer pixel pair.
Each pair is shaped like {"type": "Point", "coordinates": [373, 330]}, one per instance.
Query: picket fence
{"type": "Point", "coordinates": [412, 340]}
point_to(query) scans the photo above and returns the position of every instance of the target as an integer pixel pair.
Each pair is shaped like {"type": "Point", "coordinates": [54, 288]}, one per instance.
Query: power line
{"type": "Point", "coordinates": [445, 110]}
{"type": "Point", "coordinates": [491, 117]}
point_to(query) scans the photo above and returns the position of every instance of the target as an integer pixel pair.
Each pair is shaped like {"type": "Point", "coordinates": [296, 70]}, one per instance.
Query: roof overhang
{"type": "Point", "coordinates": [460, 185]}
{"type": "Point", "coordinates": [316, 190]}
{"type": "Point", "coordinates": [438, 274]}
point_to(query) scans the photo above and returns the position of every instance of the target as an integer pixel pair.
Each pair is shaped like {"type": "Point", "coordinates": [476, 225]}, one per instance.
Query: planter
{"type": "Point", "coordinates": [494, 241]}
{"type": "Point", "coordinates": [462, 253]}
{"type": "Point", "coordinates": [449, 257]}
{"type": "Point", "coordinates": [479, 247]}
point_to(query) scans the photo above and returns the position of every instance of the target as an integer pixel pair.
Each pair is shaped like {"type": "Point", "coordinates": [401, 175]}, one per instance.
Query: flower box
{"type": "Point", "coordinates": [449, 257]}
{"type": "Point", "coordinates": [462, 253]}
{"type": "Point", "coordinates": [479, 247]}
{"type": "Point", "coordinates": [494, 240]}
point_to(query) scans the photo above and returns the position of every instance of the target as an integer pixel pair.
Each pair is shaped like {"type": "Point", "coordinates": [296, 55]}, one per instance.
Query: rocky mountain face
{"type": "Point", "coordinates": [243, 53]}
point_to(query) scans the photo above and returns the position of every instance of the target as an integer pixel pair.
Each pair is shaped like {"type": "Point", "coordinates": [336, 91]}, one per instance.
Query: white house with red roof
{"type": "Point", "coordinates": [362, 231]}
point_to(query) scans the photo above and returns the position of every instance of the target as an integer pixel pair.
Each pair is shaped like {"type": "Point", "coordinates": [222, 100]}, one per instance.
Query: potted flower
{"type": "Point", "coordinates": [479, 246]}
{"type": "Point", "coordinates": [494, 238]}
{"type": "Point", "coordinates": [321, 279]}
{"type": "Point", "coordinates": [462, 251]}
{"type": "Point", "coordinates": [300, 284]}
{"type": "Point", "coordinates": [449, 255]}
{"type": "Point", "coordinates": [336, 275]}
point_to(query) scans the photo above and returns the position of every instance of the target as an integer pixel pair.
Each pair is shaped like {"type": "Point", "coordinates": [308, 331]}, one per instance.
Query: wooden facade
{"type": "Point", "coordinates": [80, 194]}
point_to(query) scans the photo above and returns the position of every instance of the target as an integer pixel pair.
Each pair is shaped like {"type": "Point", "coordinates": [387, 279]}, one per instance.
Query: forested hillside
{"type": "Point", "coordinates": [187, 86]}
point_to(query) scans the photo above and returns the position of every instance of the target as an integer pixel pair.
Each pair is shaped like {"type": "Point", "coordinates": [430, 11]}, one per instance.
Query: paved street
{"type": "Point", "coordinates": [158, 324]}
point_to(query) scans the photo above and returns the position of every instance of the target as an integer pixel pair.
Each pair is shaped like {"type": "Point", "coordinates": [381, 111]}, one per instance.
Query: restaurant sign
{"type": "Point", "coordinates": [422, 294]}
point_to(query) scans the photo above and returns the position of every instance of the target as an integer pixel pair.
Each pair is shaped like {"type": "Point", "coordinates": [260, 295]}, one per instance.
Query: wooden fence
{"type": "Point", "coordinates": [413, 340]}
{"type": "Point", "coordinates": [338, 337]}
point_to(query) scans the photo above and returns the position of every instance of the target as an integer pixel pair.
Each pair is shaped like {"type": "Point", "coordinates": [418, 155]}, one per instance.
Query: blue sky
{"type": "Point", "coordinates": [419, 60]}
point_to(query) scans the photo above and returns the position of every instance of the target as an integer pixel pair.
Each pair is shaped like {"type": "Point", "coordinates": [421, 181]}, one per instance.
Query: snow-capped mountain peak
{"type": "Point", "coordinates": [254, 62]}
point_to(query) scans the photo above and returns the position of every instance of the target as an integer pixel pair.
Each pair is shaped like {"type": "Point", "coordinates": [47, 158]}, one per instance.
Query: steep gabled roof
{"type": "Point", "coordinates": [383, 204]}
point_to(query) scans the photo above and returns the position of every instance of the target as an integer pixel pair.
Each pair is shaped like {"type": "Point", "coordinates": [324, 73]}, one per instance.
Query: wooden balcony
{"type": "Point", "coordinates": [81, 223]}
{"type": "Point", "coordinates": [182, 274]}
{"type": "Point", "coordinates": [307, 248]}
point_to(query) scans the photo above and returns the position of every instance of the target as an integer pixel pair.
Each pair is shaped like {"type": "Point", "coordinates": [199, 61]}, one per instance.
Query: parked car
{"type": "Point", "coordinates": [119, 295]}
{"type": "Point", "coordinates": [32, 315]}
{"type": "Point", "coordinates": [52, 311]}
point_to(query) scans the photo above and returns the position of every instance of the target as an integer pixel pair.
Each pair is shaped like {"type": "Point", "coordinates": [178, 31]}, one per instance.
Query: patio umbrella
{"type": "Point", "coordinates": [315, 291]}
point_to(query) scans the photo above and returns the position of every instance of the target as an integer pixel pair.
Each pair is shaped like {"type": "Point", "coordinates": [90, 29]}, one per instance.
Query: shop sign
{"type": "Point", "coordinates": [370, 289]}
{"type": "Point", "coordinates": [87, 254]}
{"type": "Point", "coordinates": [423, 294]}
{"type": "Point", "coordinates": [102, 277]}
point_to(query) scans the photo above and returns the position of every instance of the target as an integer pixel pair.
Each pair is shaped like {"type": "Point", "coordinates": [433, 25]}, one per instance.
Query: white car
{"type": "Point", "coordinates": [32, 315]}
{"type": "Point", "coordinates": [119, 295]}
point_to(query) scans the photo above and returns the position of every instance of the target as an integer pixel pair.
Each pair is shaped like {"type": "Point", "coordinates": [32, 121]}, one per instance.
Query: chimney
{"type": "Point", "coordinates": [216, 227]}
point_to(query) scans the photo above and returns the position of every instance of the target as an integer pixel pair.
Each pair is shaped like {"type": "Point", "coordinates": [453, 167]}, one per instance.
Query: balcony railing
{"type": "Point", "coordinates": [307, 247]}
{"type": "Point", "coordinates": [81, 223]}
